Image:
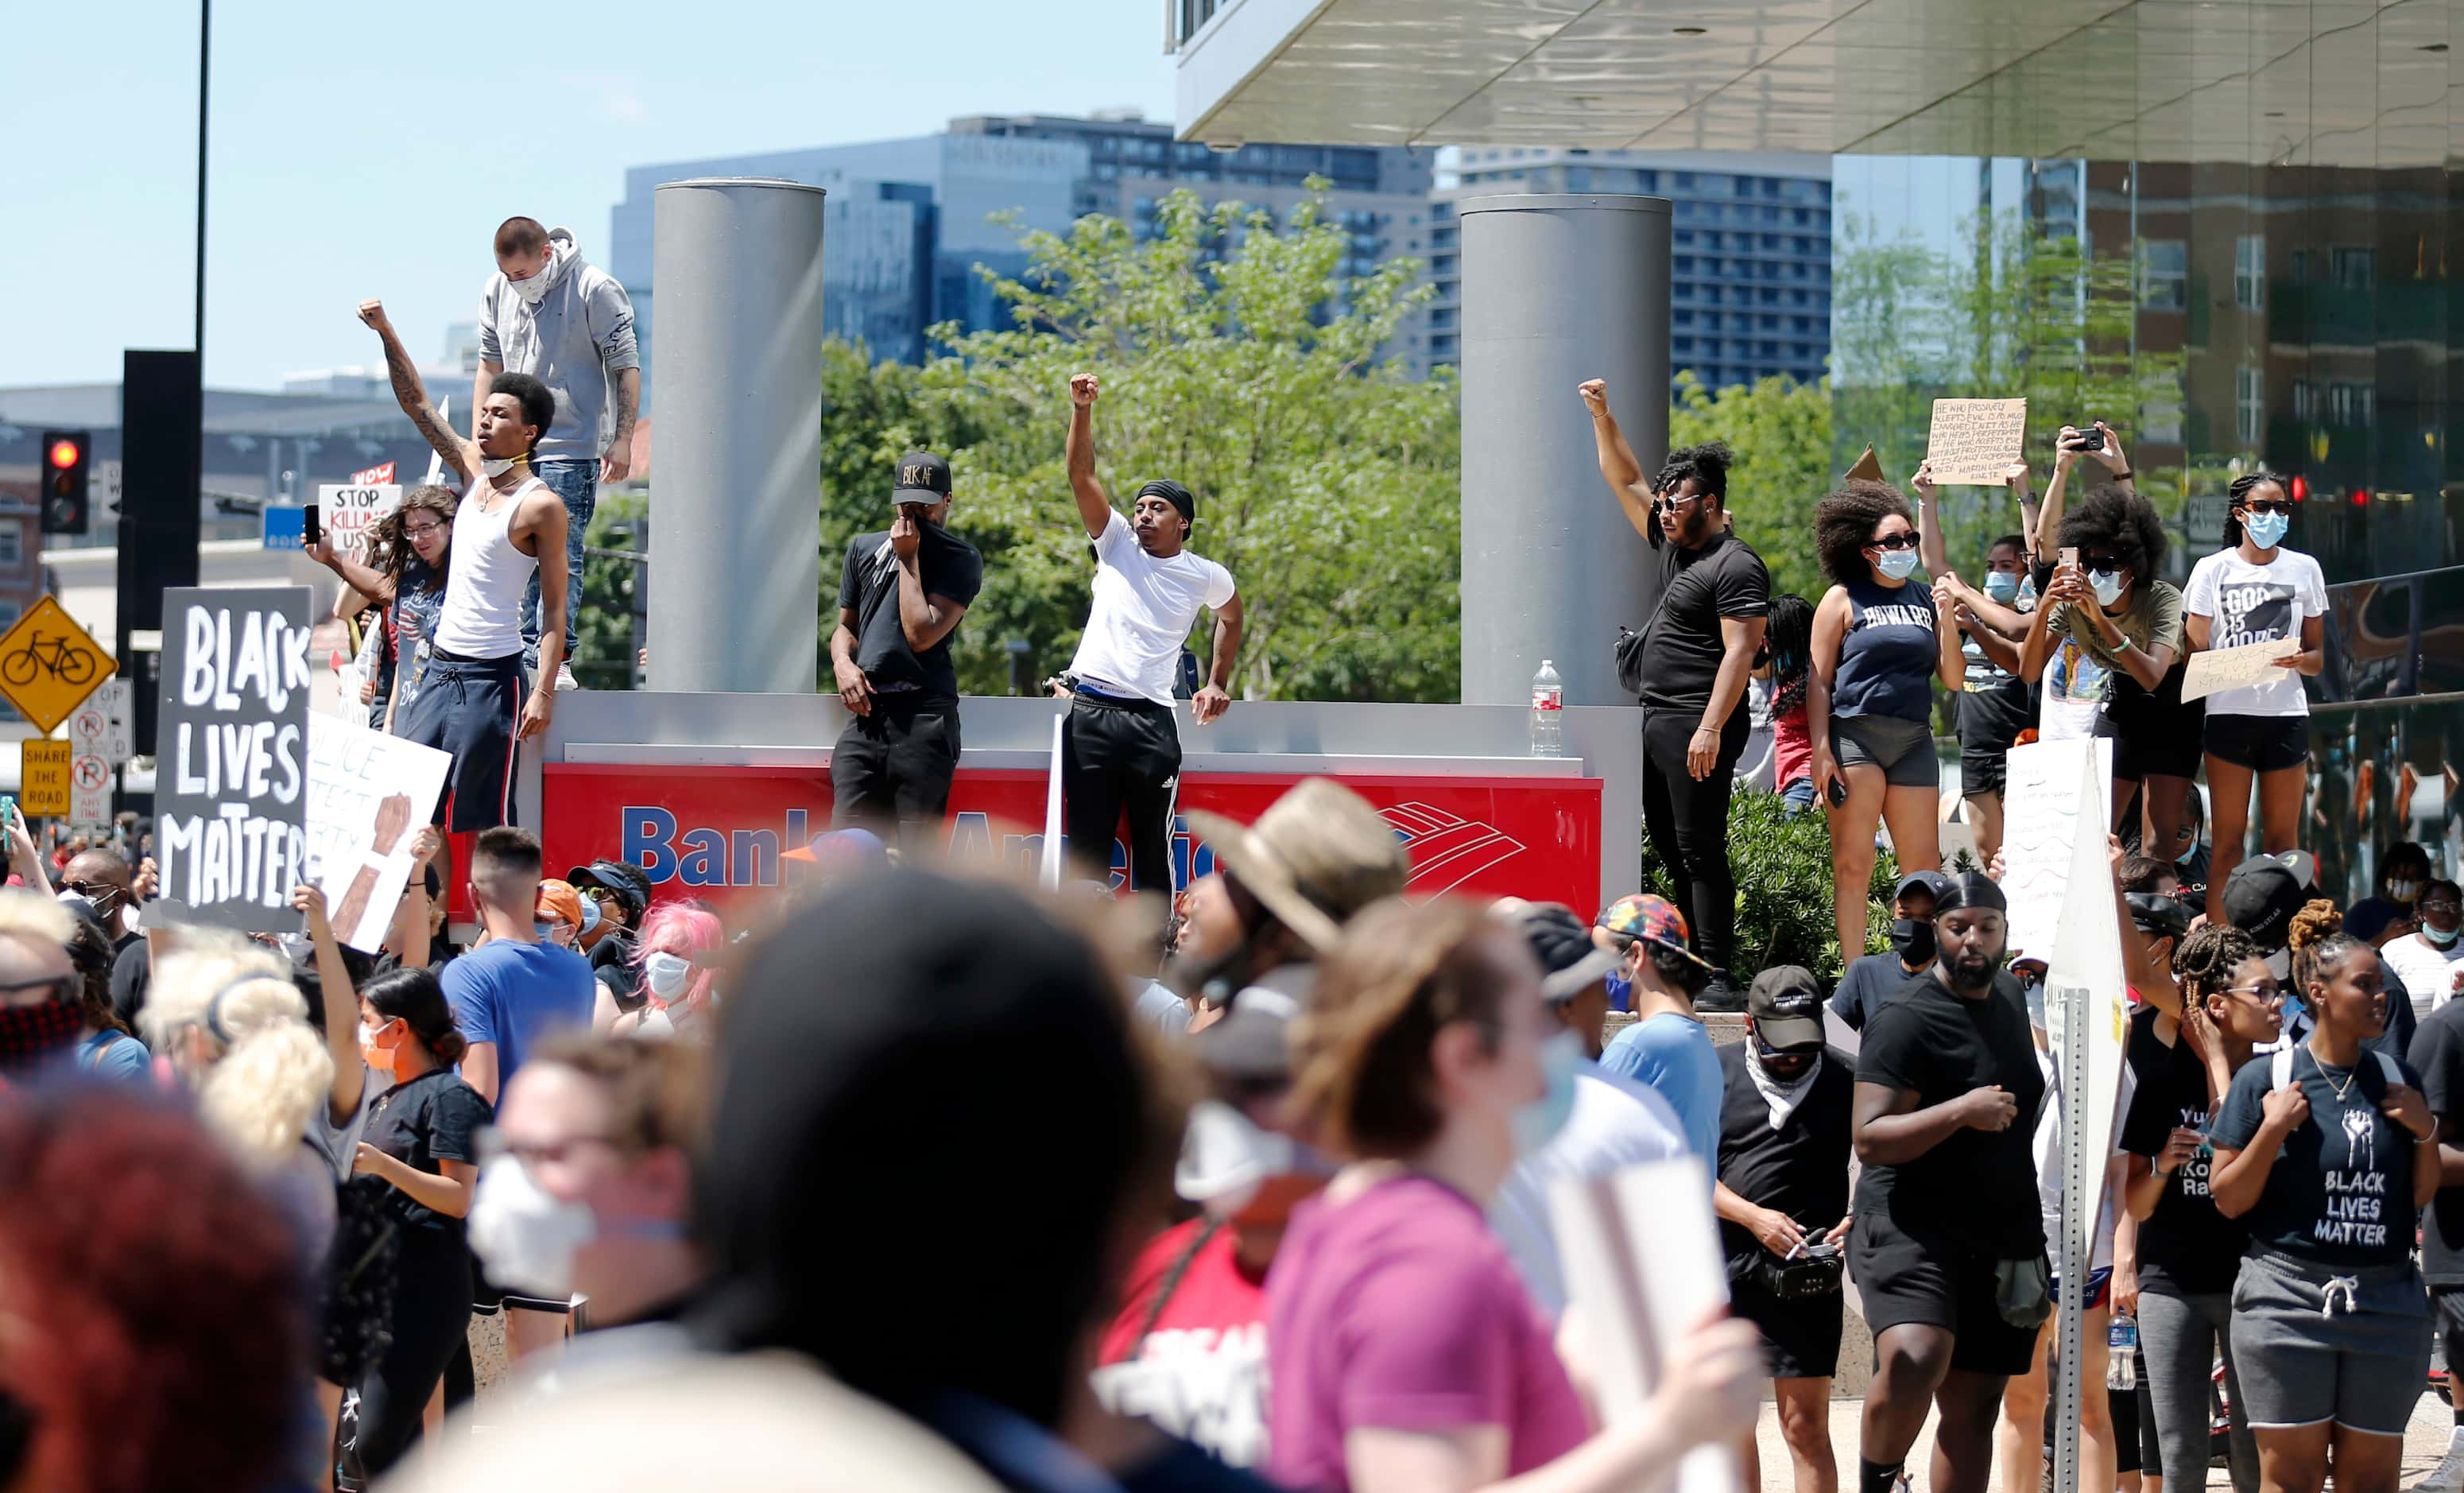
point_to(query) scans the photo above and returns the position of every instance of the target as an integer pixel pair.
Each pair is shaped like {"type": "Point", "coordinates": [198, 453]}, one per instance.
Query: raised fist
{"type": "Point", "coordinates": [1083, 389]}
{"type": "Point", "coordinates": [373, 313]}
{"type": "Point", "coordinates": [1596, 395]}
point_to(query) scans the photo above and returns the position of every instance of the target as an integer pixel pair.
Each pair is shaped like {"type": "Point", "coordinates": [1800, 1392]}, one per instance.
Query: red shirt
{"type": "Point", "coordinates": [1200, 1370]}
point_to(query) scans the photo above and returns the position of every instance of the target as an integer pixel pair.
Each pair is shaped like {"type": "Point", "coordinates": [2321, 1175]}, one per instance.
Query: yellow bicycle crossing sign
{"type": "Point", "coordinates": [48, 665]}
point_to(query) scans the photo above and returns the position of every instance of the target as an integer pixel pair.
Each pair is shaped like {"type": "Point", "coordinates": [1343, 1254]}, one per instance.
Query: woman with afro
{"type": "Point", "coordinates": [2108, 644]}
{"type": "Point", "coordinates": [1881, 638]}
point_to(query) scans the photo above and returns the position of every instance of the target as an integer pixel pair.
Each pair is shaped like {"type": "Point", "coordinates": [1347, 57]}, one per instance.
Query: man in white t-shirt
{"type": "Point", "coordinates": [1121, 749]}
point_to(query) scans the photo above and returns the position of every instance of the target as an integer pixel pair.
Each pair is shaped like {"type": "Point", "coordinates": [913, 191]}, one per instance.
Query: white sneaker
{"type": "Point", "coordinates": [2448, 1477]}
{"type": "Point", "coordinates": [564, 679]}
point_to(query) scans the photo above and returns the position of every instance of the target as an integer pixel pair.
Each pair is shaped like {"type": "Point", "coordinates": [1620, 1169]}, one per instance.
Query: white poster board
{"type": "Point", "coordinates": [1643, 1268]}
{"type": "Point", "coordinates": [2042, 817]}
{"type": "Point", "coordinates": [368, 794]}
{"type": "Point", "coordinates": [348, 514]}
{"type": "Point", "coordinates": [2086, 956]}
{"type": "Point", "coordinates": [1974, 441]}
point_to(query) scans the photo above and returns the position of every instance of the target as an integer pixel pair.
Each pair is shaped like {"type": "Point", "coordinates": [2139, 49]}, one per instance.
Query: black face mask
{"type": "Point", "coordinates": [1913, 939]}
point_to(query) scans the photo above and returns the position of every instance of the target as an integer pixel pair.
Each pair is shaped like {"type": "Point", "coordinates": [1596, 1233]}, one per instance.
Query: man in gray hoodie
{"type": "Point", "coordinates": [549, 314]}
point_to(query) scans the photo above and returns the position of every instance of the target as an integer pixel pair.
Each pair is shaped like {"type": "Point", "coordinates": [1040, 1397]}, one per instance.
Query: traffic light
{"type": "Point", "coordinates": [66, 456]}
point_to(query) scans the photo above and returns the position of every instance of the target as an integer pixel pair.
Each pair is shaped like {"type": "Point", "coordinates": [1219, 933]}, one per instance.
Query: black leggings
{"type": "Point", "coordinates": [431, 1316]}
{"type": "Point", "coordinates": [1118, 755]}
{"type": "Point", "coordinates": [1688, 823]}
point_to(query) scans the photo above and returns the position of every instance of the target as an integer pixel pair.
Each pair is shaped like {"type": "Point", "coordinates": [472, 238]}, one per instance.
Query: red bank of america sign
{"type": "Point", "coordinates": [716, 832]}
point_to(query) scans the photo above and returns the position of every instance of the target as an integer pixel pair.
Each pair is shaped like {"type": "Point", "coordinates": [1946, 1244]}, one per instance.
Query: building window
{"type": "Point", "coordinates": [10, 610]}
{"type": "Point", "coordinates": [2250, 271]}
{"type": "Point", "coordinates": [2354, 405]}
{"type": "Point", "coordinates": [2300, 268]}
{"type": "Point", "coordinates": [2163, 274]}
{"type": "Point", "coordinates": [13, 542]}
{"type": "Point", "coordinates": [2353, 269]}
{"type": "Point", "coordinates": [2305, 401]}
{"type": "Point", "coordinates": [2250, 402]}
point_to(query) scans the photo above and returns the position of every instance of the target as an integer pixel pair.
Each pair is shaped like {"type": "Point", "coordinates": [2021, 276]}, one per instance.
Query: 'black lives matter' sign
{"type": "Point", "coordinates": [230, 773]}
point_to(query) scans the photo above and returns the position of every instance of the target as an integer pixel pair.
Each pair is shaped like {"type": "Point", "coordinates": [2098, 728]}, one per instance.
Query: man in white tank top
{"type": "Point", "coordinates": [472, 697]}
{"type": "Point", "coordinates": [1120, 751]}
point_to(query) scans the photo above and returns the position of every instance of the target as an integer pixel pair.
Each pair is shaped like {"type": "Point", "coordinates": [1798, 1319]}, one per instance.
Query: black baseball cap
{"type": "Point", "coordinates": [1786, 1003]}
{"type": "Point", "coordinates": [923, 478]}
{"type": "Point", "coordinates": [1570, 962]}
{"type": "Point", "coordinates": [1933, 883]}
{"type": "Point", "coordinates": [2263, 892]}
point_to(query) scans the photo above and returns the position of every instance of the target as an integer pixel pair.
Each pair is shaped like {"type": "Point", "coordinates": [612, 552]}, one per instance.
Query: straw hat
{"type": "Point", "coordinates": [1318, 855]}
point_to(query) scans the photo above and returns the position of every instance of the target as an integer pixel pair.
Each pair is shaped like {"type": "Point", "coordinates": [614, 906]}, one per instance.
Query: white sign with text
{"type": "Point", "coordinates": [368, 793]}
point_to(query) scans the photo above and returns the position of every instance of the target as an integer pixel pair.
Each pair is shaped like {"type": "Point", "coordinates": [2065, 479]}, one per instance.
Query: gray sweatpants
{"type": "Point", "coordinates": [2181, 1337]}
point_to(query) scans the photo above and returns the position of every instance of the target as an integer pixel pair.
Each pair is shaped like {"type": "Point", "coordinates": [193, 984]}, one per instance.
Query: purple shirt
{"type": "Point", "coordinates": [1399, 1310]}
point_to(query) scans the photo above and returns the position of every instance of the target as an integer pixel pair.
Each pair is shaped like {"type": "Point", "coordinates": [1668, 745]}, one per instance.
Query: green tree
{"type": "Point", "coordinates": [1781, 432]}
{"type": "Point", "coordinates": [1237, 359]}
{"type": "Point", "coordinates": [603, 649]}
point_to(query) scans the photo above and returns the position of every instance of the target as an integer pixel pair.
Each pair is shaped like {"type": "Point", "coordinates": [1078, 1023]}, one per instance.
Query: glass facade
{"type": "Point", "coordinates": [2284, 310]}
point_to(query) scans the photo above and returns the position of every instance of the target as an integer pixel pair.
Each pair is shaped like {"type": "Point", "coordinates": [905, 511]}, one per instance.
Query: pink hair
{"type": "Point", "coordinates": [690, 929]}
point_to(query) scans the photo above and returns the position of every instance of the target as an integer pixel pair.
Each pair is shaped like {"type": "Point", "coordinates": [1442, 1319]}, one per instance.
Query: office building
{"type": "Point", "coordinates": [1749, 250]}
{"type": "Point", "coordinates": [910, 224]}
{"type": "Point", "coordinates": [2277, 180]}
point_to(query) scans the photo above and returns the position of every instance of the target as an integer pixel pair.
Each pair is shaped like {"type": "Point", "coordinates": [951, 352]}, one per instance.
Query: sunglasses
{"type": "Point", "coordinates": [1894, 541]}
{"type": "Point", "coordinates": [94, 892]}
{"type": "Point", "coordinates": [2269, 505]}
{"type": "Point", "coordinates": [2101, 564]}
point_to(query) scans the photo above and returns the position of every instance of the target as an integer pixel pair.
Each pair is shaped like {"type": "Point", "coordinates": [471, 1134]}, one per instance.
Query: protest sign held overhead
{"type": "Point", "coordinates": [368, 793]}
{"type": "Point", "coordinates": [231, 794]}
{"type": "Point", "coordinates": [1974, 441]}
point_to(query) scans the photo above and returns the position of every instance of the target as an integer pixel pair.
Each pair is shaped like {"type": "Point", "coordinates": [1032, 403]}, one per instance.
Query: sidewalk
{"type": "Point", "coordinates": [2424, 1443]}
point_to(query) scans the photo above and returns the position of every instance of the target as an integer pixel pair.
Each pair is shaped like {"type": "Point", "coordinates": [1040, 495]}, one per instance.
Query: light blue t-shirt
{"type": "Point", "coordinates": [114, 1055]}
{"type": "Point", "coordinates": [513, 994]}
{"type": "Point", "coordinates": [1673, 1056]}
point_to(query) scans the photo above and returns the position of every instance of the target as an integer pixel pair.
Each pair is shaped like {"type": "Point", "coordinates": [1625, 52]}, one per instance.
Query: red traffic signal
{"type": "Point", "coordinates": [67, 454]}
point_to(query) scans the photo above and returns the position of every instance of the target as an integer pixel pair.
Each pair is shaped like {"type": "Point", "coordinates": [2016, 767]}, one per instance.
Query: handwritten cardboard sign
{"type": "Point", "coordinates": [2231, 668]}
{"type": "Point", "coordinates": [351, 514]}
{"type": "Point", "coordinates": [368, 793]}
{"type": "Point", "coordinates": [1974, 441]}
{"type": "Point", "coordinates": [231, 794]}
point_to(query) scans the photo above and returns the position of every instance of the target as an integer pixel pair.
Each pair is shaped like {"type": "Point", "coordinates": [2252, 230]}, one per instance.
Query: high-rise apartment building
{"type": "Point", "coordinates": [1750, 252]}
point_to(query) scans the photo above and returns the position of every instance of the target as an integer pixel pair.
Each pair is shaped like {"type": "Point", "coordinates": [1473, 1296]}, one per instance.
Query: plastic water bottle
{"type": "Point", "coordinates": [2121, 1354]}
{"type": "Point", "coordinates": [1547, 711]}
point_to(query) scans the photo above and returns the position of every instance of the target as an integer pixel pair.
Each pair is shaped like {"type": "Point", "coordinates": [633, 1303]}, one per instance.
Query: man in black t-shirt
{"type": "Point", "coordinates": [1947, 1247]}
{"type": "Point", "coordinates": [1708, 595]}
{"type": "Point", "coordinates": [2438, 1056]}
{"type": "Point", "coordinates": [900, 597]}
{"type": "Point", "coordinates": [1783, 1189]}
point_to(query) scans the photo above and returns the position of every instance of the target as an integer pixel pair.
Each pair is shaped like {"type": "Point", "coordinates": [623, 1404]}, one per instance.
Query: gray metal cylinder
{"type": "Point", "coordinates": [734, 507]}
{"type": "Point", "coordinates": [1555, 289]}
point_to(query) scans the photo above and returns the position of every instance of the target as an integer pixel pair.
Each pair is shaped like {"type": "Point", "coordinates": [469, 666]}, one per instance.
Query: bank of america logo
{"type": "Point", "coordinates": [1447, 849]}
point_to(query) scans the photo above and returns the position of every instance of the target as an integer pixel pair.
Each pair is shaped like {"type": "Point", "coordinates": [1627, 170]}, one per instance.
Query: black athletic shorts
{"type": "Point", "coordinates": [469, 708]}
{"type": "Point", "coordinates": [1800, 1337]}
{"type": "Point", "coordinates": [2446, 1310]}
{"type": "Point", "coordinates": [1989, 721]}
{"type": "Point", "coordinates": [1904, 1279]}
{"type": "Point", "coordinates": [2259, 743]}
{"type": "Point", "coordinates": [2155, 734]}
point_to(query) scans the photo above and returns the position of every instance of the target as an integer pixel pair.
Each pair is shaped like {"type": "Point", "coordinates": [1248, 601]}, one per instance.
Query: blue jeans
{"type": "Point", "coordinates": [1798, 796]}
{"type": "Point", "coordinates": [577, 482]}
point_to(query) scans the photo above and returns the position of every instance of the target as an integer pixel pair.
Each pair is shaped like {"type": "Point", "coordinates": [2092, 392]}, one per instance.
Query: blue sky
{"type": "Point", "coordinates": [370, 150]}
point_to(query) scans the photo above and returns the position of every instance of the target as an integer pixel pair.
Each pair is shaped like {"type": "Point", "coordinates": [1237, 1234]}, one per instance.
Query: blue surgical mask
{"type": "Point", "coordinates": [2267, 531]}
{"type": "Point", "coordinates": [1537, 1123]}
{"type": "Point", "coordinates": [2107, 585]}
{"type": "Point", "coordinates": [2441, 937]}
{"type": "Point", "coordinates": [1898, 564]}
{"type": "Point", "coordinates": [2001, 586]}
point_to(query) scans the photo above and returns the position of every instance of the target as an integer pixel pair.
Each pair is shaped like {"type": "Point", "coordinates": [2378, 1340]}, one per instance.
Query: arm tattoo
{"type": "Point", "coordinates": [412, 396]}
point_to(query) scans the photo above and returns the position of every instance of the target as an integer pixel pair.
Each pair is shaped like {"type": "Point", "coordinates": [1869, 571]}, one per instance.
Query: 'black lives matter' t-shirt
{"type": "Point", "coordinates": [1698, 587]}
{"type": "Point", "coordinates": [1801, 1168]}
{"type": "Point", "coordinates": [1976, 1188]}
{"type": "Point", "coordinates": [949, 566]}
{"type": "Point", "coordinates": [2185, 1247]}
{"type": "Point", "coordinates": [2340, 1191]}
{"type": "Point", "coordinates": [2438, 1057]}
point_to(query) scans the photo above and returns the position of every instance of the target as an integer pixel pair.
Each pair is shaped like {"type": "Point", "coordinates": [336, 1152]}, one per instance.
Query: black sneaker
{"type": "Point", "coordinates": [1723, 994]}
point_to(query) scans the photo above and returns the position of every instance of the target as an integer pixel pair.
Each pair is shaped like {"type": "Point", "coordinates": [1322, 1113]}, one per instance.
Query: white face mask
{"type": "Point", "coordinates": [665, 974]}
{"type": "Point", "coordinates": [498, 465]}
{"type": "Point", "coordinates": [535, 289]}
{"type": "Point", "coordinates": [527, 1237]}
{"type": "Point", "coordinates": [2403, 890]}
{"type": "Point", "coordinates": [1898, 564]}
